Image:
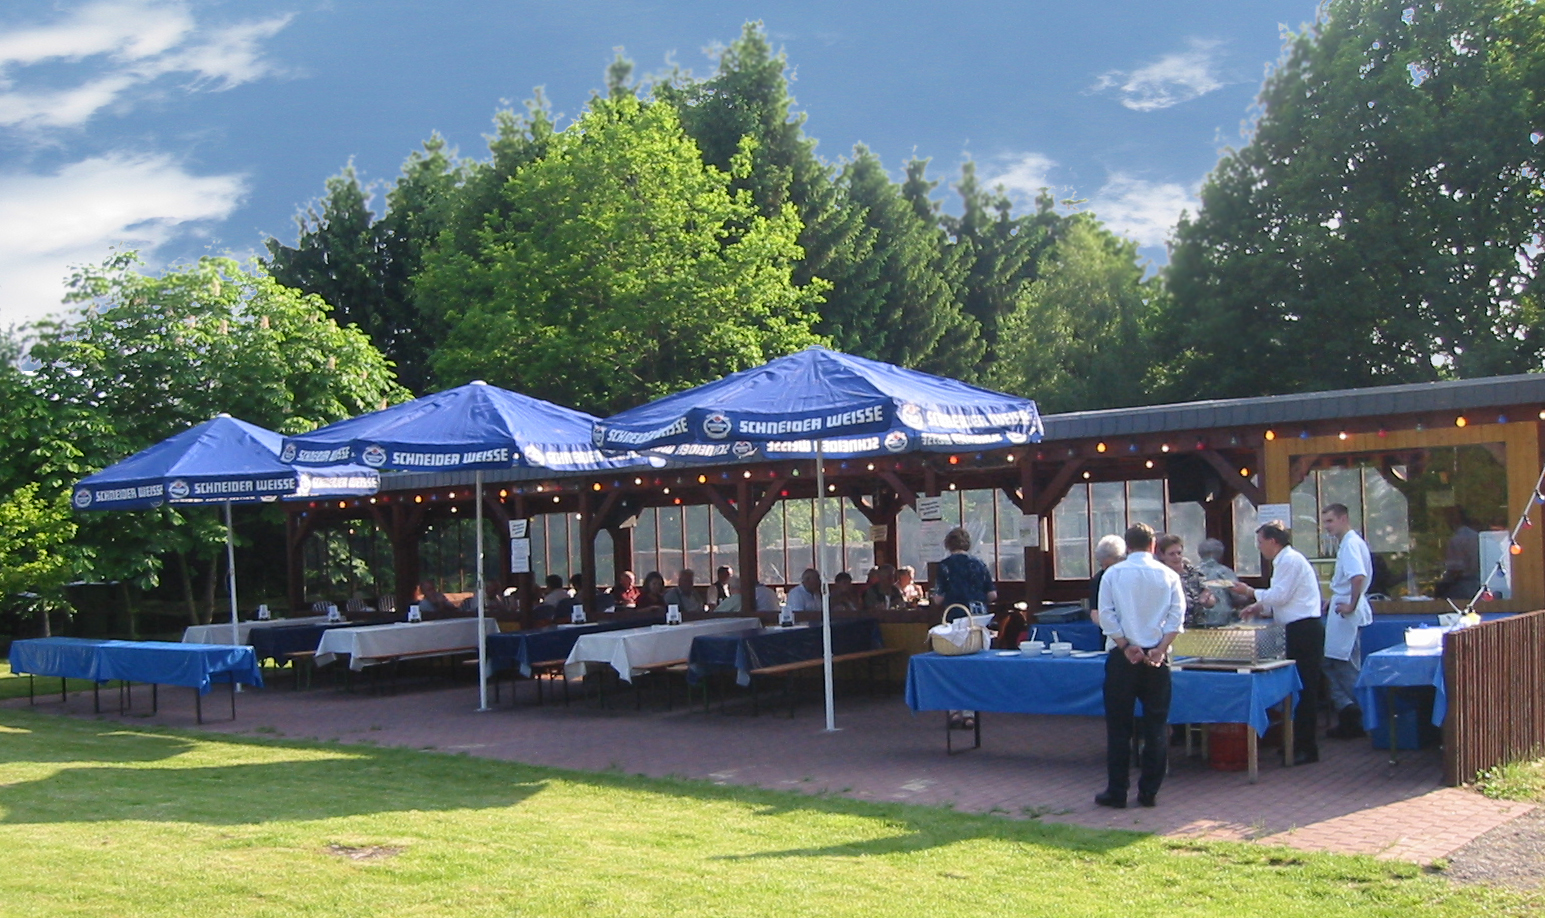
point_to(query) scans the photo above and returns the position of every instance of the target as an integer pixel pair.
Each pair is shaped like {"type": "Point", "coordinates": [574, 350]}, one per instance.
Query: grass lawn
{"type": "Point", "coordinates": [14, 686]}
{"type": "Point", "coordinates": [1515, 781]}
{"type": "Point", "coordinates": [102, 819]}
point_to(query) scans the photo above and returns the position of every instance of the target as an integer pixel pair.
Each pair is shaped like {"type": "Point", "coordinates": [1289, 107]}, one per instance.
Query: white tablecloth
{"type": "Point", "coordinates": [628, 650]}
{"type": "Point", "coordinates": [220, 632]}
{"type": "Point", "coordinates": [401, 638]}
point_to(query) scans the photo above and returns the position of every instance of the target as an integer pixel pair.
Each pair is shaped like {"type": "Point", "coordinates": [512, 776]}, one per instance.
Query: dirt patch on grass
{"type": "Point", "coordinates": [364, 852]}
{"type": "Point", "coordinates": [1512, 855]}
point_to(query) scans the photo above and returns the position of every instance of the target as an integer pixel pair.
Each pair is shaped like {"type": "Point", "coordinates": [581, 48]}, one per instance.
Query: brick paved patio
{"type": "Point", "coordinates": [1045, 767]}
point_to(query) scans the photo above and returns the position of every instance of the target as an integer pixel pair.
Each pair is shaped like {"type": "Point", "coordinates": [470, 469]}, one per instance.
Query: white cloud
{"type": "Point", "coordinates": [1142, 210]}
{"type": "Point", "coordinates": [112, 48]}
{"type": "Point", "coordinates": [49, 223]}
{"type": "Point", "coordinates": [1170, 80]}
{"type": "Point", "coordinates": [1025, 175]}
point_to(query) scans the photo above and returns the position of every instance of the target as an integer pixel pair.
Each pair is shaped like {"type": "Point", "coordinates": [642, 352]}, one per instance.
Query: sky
{"type": "Point", "coordinates": [181, 129]}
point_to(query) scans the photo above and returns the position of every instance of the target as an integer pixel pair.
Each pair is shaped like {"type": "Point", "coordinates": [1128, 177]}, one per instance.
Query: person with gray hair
{"type": "Point", "coordinates": [1213, 570]}
{"type": "Point", "coordinates": [1109, 550]}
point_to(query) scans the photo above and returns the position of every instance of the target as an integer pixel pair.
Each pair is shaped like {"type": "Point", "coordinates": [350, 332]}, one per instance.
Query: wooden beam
{"type": "Point", "coordinates": [1058, 488]}
{"type": "Point", "coordinates": [904, 493]}
{"type": "Point", "coordinates": [603, 513]}
{"type": "Point", "coordinates": [1015, 496]}
{"type": "Point", "coordinates": [1232, 478]}
{"type": "Point", "coordinates": [721, 503]}
{"type": "Point", "coordinates": [765, 505]}
{"type": "Point", "coordinates": [875, 515]}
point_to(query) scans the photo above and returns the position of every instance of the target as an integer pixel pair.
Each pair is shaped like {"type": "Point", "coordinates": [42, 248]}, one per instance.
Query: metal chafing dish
{"type": "Point", "coordinates": [1242, 643]}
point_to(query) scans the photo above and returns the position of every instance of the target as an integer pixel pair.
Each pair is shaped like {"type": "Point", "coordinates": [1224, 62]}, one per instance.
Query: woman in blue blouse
{"type": "Point", "coordinates": [963, 579]}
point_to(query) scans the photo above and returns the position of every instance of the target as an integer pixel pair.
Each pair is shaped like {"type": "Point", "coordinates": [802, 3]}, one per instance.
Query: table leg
{"type": "Point", "coordinates": [96, 698]}
{"type": "Point", "coordinates": [155, 698]}
{"type": "Point", "coordinates": [1252, 750]}
{"type": "Point", "coordinates": [233, 696]}
{"type": "Point", "coordinates": [198, 705]}
{"type": "Point", "coordinates": [31, 698]}
{"type": "Point", "coordinates": [1389, 712]}
{"type": "Point", "coordinates": [64, 694]}
{"type": "Point", "coordinates": [1288, 737]}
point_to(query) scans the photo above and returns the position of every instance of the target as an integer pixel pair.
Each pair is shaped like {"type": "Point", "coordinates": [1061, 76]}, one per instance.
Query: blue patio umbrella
{"type": "Point", "coordinates": [820, 402]}
{"type": "Point", "coordinates": [221, 461]}
{"type": "Point", "coordinates": [474, 427]}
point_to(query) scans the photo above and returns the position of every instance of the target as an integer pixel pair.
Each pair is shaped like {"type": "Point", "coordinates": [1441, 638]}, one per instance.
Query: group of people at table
{"type": "Point", "coordinates": [1145, 593]}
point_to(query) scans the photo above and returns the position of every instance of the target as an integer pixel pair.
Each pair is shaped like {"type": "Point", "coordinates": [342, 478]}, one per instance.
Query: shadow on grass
{"type": "Point", "coordinates": [363, 780]}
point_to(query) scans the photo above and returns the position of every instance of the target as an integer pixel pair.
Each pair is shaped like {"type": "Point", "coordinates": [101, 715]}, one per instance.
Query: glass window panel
{"type": "Point", "coordinates": [1247, 555]}
{"type": "Point", "coordinates": [1306, 516]}
{"type": "Point", "coordinates": [1339, 486]}
{"type": "Point", "coordinates": [670, 542]}
{"type": "Point", "coordinates": [1386, 512]}
{"type": "Point", "coordinates": [1070, 530]}
{"type": "Point", "coordinates": [1189, 521]}
{"type": "Point", "coordinates": [859, 554]}
{"type": "Point", "coordinates": [699, 541]}
{"type": "Point", "coordinates": [909, 547]}
{"type": "Point", "coordinates": [977, 516]}
{"type": "Point", "coordinates": [770, 554]}
{"type": "Point", "coordinates": [605, 559]}
{"type": "Point", "coordinates": [1011, 549]}
{"type": "Point", "coordinates": [1108, 511]}
{"type": "Point", "coordinates": [557, 544]}
{"type": "Point", "coordinates": [1145, 504]}
{"type": "Point", "coordinates": [645, 558]}
{"type": "Point", "coordinates": [726, 544]}
{"type": "Point", "coordinates": [538, 536]}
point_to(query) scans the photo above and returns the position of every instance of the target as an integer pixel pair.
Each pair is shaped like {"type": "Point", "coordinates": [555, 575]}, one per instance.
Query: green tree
{"type": "Point", "coordinates": [1078, 337]}
{"type": "Point", "coordinates": [1383, 222]}
{"type": "Point", "coordinates": [152, 355]}
{"type": "Point", "coordinates": [625, 269]}
{"type": "Point", "coordinates": [898, 304]}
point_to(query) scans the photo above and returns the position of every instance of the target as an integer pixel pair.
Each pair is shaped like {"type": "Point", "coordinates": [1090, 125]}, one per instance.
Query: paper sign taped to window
{"type": "Point", "coordinates": [520, 556]}
{"type": "Point", "coordinates": [518, 529]}
{"type": "Point", "coordinates": [879, 533]}
{"type": "Point", "coordinates": [930, 508]}
{"type": "Point", "coordinates": [1282, 513]}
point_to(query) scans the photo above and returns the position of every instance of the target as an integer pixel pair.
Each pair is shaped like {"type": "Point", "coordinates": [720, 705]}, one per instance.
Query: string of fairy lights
{"type": "Point", "coordinates": [1484, 594]}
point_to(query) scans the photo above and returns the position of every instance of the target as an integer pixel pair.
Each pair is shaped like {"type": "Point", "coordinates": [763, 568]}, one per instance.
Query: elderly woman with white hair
{"type": "Point", "coordinates": [1107, 551]}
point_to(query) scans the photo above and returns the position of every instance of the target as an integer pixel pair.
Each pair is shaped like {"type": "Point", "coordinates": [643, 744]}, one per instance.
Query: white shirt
{"type": "Point", "coordinates": [1141, 600]}
{"type": "Point", "coordinates": [1353, 559]}
{"type": "Point", "coordinates": [802, 600]}
{"type": "Point", "coordinates": [766, 601]}
{"type": "Point", "coordinates": [1295, 591]}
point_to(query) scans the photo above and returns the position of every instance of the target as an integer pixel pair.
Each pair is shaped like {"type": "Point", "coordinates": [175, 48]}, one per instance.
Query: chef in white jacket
{"type": "Point", "coordinates": [1346, 614]}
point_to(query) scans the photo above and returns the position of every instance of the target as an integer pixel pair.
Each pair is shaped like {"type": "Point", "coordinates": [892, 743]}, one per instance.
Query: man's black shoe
{"type": "Point", "coordinates": [1111, 800]}
{"type": "Point", "coordinates": [1305, 757]}
{"type": "Point", "coordinates": [1148, 800]}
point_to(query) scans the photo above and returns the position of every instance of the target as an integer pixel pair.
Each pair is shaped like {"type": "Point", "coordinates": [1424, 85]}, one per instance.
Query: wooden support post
{"type": "Point", "coordinates": [745, 528]}
{"type": "Point", "coordinates": [407, 527]}
{"type": "Point", "coordinates": [587, 531]}
{"type": "Point", "coordinates": [1231, 477]}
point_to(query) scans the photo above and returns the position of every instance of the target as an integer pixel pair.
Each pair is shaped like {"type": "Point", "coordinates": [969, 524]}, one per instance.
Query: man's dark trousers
{"type": "Point", "coordinates": [1125, 683]}
{"type": "Point", "coordinates": [1306, 647]}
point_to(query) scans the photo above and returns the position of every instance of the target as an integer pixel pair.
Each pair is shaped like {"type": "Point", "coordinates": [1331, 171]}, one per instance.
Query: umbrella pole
{"type": "Point", "coordinates": [826, 599]}
{"type": "Point", "coordinates": [230, 571]}
{"type": "Point", "coordinates": [482, 636]}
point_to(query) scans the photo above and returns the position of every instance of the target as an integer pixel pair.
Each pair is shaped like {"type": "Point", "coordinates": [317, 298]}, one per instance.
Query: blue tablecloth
{"type": "Point", "coordinates": [160, 662]}
{"type": "Point", "coordinates": [775, 646]}
{"type": "Point", "coordinates": [274, 643]}
{"type": "Point", "coordinates": [68, 658]}
{"type": "Point", "coordinates": [1387, 630]}
{"type": "Point", "coordinates": [1045, 685]}
{"type": "Point", "coordinates": [1399, 667]}
{"type": "Point", "coordinates": [520, 649]}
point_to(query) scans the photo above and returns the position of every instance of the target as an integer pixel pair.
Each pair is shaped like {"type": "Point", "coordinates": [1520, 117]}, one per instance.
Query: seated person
{"type": "Point", "coordinates": [766, 599]}
{"type": "Point", "coordinates": [625, 593]}
{"type": "Point", "coordinates": [432, 603]}
{"type": "Point", "coordinates": [906, 582]}
{"type": "Point", "coordinates": [684, 594]}
{"type": "Point", "coordinates": [651, 596]}
{"type": "Point", "coordinates": [555, 591]}
{"type": "Point", "coordinates": [805, 598]}
{"type": "Point", "coordinates": [845, 598]}
{"type": "Point", "coordinates": [883, 594]}
{"type": "Point", "coordinates": [721, 583]}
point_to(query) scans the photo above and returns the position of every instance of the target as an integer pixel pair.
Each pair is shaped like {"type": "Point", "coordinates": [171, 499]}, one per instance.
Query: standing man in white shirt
{"type": "Point", "coordinates": [1141, 607]}
{"type": "Point", "coordinates": [1294, 600]}
{"type": "Point", "coordinates": [1345, 617]}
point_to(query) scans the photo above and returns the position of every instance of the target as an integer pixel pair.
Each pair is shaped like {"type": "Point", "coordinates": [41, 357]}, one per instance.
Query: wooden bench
{"type": "Point", "coordinates": [304, 664]}
{"type": "Point", "coordinates": [790, 670]}
{"type": "Point", "coordinates": [539, 669]}
{"type": "Point", "coordinates": [395, 660]}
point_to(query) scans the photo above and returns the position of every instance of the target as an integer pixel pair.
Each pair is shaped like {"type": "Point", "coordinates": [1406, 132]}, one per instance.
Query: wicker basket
{"type": "Point", "coordinates": [977, 637]}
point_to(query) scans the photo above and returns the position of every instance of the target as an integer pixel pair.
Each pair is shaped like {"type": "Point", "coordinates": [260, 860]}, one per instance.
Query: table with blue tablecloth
{"type": "Point", "coordinates": [1016, 684]}
{"type": "Point", "coordinates": [1389, 629]}
{"type": "Point", "coordinates": [1083, 635]}
{"type": "Point", "coordinates": [279, 642]}
{"type": "Point", "coordinates": [1386, 671]}
{"type": "Point", "coordinates": [196, 666]}
{"type": "Point", "coordinates": [776, 646]}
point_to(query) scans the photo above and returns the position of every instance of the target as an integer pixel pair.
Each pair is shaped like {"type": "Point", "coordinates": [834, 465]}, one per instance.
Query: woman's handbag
{"type": "Point", "coordinates": [960, 637]}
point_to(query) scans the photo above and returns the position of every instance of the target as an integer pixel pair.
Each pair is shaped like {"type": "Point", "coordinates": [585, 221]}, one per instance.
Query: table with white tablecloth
{"type": "Point", "coordinates": [636, 648]}
{"type": "Point", "coordinates": [220, 632]}
{"type": "Point", "coordinates": [400, 640]}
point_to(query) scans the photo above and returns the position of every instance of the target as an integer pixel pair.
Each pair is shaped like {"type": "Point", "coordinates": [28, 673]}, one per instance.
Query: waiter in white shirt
{"type": "Point", "coordinates": [1345, 617]}
{"type": "Point", "coordinates": [1141, 608]}
{"type": "Point", "coordinates": [1294, 600]}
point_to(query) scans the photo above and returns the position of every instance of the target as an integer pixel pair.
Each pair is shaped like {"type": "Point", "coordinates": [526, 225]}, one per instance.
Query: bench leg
{"type": "Point", "coordinates": [198, 705]}
{"type": "Point", "coordinates": [233, 696]}
{"type": "Point", "coordinates": [64, 684]}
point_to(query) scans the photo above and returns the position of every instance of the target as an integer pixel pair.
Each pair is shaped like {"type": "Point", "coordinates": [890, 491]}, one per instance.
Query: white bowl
{"type": "Point", "coordinates": [1032, 648]}
{"type": "Point", "coordinates": [1424, 638]}
{"type": "Point", "coordinates": [1061, 648]}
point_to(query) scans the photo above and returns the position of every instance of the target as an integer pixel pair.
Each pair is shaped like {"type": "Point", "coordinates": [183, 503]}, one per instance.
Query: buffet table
{"type": "Point", "coordinates": [1011, 683]}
